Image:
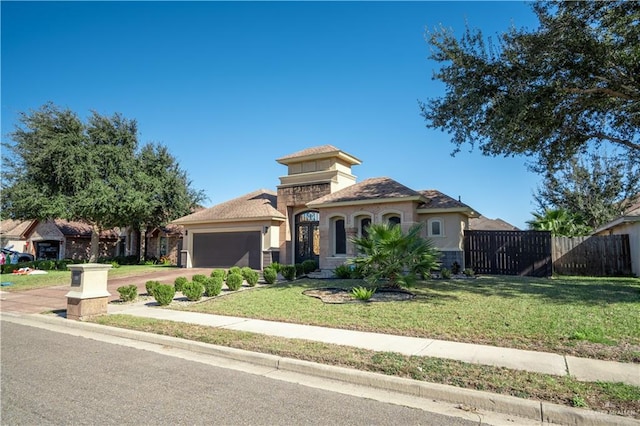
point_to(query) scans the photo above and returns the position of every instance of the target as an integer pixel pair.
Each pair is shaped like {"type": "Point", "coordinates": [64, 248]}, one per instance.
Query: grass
{"type": "Point", "coordinates": [595, 318]}
{"type": "Point", "coordinates": [612, 398]}
{"type": "Point", "coordinates": [55, 278]}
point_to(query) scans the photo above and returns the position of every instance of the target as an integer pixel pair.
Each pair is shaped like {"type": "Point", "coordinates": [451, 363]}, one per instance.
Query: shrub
{"type": "Point", "coordinates": [234, 281]}
{"type": "Point", "coordinates": [213, 286]}
{"type": "Point", "coordinates": [445, 273]}
{"type": "Point", "coordinates": [151, 286]}
{"type": "Point", "coordinates": [46, 265]}
{"type": "Point", "coordinates": [270, 275]}
{"type": "Point", "coordinates": [342, 271]}
{"type": "Point", "coordinates": [193, 290]}
{"type": "Point", "coordinates": [115, 264]}
{"type": "Point", "coordinates": [363, 293]}
{"type": "Point", "coordinates": [468, 272]}
{"type": "Point", "coordinates": [199, 278]}
{"type": "Point", "coordinates": [219, 273]}
{"type": "Point", "coordinates": [235, 270]}
{"type": "Point", "coordinates": [179, 283]}
{"type": "Point", "coordinates": [309, 265]}
{"type": "Point", "coordinates": [246, 271]}
{"type": "Point", "coordinates": [128, 293]}
{"type": "Point", "coordinates": [276, 266]}
{"type": "Point", "coordinates": [455, 268]}
{"type": "Point", "coordinates": [252, 278]}
{"type": "Point", "coordinates": [299, 270]}
{"type": "Point", "coordinates": [288, 272]}
{"type": "Point", "coordinates": [164, 294]}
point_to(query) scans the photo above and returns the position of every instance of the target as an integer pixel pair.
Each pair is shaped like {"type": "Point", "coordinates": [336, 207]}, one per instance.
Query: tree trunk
{"type": "Point", "coordinates": [95, 243]}
{"type": "Point", "coordinates": [142, 241]}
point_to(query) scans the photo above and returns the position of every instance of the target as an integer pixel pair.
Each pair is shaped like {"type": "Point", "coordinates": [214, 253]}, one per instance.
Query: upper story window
{"type": "Point", "coordinates": [393, 220]}
{"type": "Point", "coordinates": [435, 228]}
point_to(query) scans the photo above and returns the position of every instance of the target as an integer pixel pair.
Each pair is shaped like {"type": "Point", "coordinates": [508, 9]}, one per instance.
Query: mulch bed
{"type": "Point", "coordinates": [340, 295]}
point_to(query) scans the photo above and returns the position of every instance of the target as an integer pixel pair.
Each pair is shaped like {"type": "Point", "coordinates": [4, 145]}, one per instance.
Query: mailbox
{"type": "Point", "coordinates": [88, 296]}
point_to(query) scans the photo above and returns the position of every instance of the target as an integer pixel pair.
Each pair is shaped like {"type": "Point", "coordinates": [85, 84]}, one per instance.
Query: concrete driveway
{"type": "Point", "coordinates": [54, 298]}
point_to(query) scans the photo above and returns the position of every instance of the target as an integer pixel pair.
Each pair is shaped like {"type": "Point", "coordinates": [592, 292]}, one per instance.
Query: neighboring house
{"type": "Point", "coordinates": [628, 223]}
{"type": "Point", "coordinates": [318, 206]}
{"type": "Point", "coordinates": [165, 243]}
{"type": "Point", "coordinates": [15, 233]}
{"type": "Point", "coordinates": [56, 239]}
{"type": "Point", "coordinates": [485, 224]}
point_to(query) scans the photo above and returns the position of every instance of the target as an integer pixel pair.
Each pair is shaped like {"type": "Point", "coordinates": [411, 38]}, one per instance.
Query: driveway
{"type": "Point", "coordinates": [55, 298]}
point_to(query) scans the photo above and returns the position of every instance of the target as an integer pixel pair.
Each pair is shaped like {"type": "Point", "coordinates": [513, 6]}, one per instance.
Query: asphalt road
{"type": "Point", "coordinates": [54, 378]}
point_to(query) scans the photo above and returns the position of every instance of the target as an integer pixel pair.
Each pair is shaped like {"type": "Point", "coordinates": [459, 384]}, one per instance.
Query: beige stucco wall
{"type": "Point", "coordinates": [633, 229]}
{"type": "Point", "coordinates": [378, 213]}
{"type": "Point", "coordinates": [454, 225]}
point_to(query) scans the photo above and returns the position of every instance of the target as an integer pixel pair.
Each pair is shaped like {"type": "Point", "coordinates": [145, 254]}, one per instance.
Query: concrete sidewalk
{"type": "Point", "coordinates": [540, 362]}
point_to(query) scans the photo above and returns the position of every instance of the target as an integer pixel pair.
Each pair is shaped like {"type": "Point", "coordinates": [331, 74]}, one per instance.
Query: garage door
{"type": "Point", "coordinates": [226, 249]}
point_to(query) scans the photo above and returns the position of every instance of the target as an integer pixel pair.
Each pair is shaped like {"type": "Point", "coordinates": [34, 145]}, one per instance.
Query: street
{"type": "Point", "coordinates": [54, 378]}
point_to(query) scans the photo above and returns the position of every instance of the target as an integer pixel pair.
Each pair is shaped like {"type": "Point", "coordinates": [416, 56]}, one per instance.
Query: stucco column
{"type": "Point", "coordinates": [88, 296]}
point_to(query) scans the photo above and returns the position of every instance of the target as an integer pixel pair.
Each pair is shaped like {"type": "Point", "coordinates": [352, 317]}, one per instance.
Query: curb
{"type": "Point", "coordinates": [510, 405]}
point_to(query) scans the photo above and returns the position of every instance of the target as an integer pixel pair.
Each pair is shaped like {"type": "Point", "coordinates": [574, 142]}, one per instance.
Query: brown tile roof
{"type": "Point", "coordinates": [485, 224]}
{"type": "Point", "coordinates": [438, 200]}
{"type": "Point", "coordinates": [258, 204]}
{"type": "Point", "coordinates": [15, 228]}
{"type": "Point", "coordinates": [81, 229]}
{"type": "Point", "coordinates": [324, 151]}
{"type": "Point", "coordinates": [369, 189]}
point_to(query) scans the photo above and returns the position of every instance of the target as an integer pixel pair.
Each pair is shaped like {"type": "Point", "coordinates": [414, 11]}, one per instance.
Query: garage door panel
{"type": "Point", "coordinates": [226, 249]}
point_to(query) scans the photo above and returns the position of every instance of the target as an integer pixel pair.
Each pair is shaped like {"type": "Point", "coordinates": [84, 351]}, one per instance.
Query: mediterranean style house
{"type": "Point", "coordinates": [316, 209]}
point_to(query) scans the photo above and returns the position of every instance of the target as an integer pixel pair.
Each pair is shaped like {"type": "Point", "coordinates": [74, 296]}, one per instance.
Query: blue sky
{"type": "Point", "coordinates": [231, 86]}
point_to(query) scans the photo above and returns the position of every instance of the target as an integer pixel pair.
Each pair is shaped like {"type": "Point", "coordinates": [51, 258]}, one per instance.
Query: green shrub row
{"type": "Point", "coordinates": [44, 265]}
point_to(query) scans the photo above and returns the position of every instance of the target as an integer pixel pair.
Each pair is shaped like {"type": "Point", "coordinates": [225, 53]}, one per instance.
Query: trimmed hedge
{"type": "Point", "coordinates": [164, 294]}
{"type": "Point", "coordinates": [128, 293]}
{"type": "Point", "coordinates": [234, 281]}
{"type": "Point", "coordinates": [193, 290]}
{"type": "Point", "coordinates": [270, 275]}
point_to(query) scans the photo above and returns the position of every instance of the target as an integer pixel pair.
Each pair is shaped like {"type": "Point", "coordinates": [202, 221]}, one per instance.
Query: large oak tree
{"type": "Point", "coordinates": [562, 89]}
{"type": "Point", "coordinates": [57, 166]}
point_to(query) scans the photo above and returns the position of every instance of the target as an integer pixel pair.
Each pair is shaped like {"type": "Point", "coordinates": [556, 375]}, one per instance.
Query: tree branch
{"type": "Point", "coordinates": [629, 144]}
{"type": "Point", "coordinates": [603, 90]}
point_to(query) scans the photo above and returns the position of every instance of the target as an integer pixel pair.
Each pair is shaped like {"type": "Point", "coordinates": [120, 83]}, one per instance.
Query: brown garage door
{"type": "Point", "coordinates": [226, 249]}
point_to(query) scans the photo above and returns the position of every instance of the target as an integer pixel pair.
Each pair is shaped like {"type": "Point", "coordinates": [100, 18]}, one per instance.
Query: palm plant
{"type": "Point", "coordinates": [559, 222]}
{"type": "Point", "coordinates": [389, 255]}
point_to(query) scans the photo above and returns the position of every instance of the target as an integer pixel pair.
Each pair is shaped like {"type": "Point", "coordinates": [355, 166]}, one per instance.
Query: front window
{"type": "Point", "coordinates": [435, 228]}
{"type": "Point", "coordinates": [365, 223]}
{"type": "Point", "coordinates": [340, 237]}
{"type": "Point", "coordinates": [394, 220]}
{"type": "Point", "coordinates": [163, 246]}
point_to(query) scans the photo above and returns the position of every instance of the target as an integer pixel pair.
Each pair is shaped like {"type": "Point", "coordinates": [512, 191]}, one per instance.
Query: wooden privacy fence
{"type": "Point", "coordinates": [536, 253]}
{"type": "Point", "coordinates": [508, 252]}
{"type": "Point", "coordinates": [605, 255]}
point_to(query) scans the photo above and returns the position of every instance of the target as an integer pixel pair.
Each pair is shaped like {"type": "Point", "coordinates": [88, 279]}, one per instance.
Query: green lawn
{"type": "Point", "coordinates": [54, 278]}
{"type": "Point", "coordinates": [586, 317]}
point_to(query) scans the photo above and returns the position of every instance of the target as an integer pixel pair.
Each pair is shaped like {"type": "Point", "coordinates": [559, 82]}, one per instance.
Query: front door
{"type": "Point", "coordinates": [307, 237]}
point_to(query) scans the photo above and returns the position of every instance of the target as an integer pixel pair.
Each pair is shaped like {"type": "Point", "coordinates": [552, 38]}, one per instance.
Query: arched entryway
{"type": "Point", "coordinates": [307, 236]}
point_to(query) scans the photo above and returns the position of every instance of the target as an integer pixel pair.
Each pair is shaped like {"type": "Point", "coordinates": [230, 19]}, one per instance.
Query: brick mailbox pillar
{"type": "Point", "coordinates": [88, 295]}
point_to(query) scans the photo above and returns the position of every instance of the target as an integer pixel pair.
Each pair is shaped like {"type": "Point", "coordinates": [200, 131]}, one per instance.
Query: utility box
{"type": "Point", "coordinates": [88, 296]}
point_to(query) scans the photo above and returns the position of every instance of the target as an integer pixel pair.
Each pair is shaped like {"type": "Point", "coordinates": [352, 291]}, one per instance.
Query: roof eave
{"type": "Point", "coordinates": [242, 219]}
{"type": "Point", "coordinates": [321, 155]}
{"type": "Point", "coordinates": [469, 212]}
{"type": "Point", "coordinates": [616, 222]}
{"type": "Point", "coordinates": [363, 202]}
